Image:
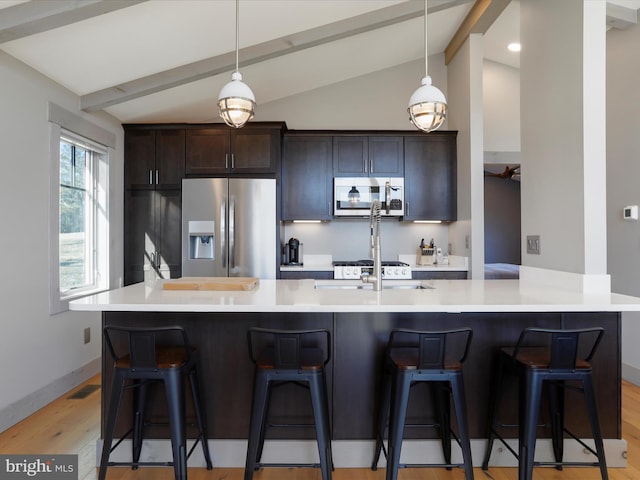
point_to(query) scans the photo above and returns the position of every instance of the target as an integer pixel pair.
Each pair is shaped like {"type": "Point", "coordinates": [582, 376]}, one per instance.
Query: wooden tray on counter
{"type": "Point", "coordinates": [211, 283]}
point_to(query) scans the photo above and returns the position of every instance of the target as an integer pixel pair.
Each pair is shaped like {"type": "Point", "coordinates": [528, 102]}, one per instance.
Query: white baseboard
{"type": "Point", "coordinates": [33, 402]}
{"type": "Point", "coordinates": [359, 453]}
{"type": "Point", "coordinates": [631, 374]}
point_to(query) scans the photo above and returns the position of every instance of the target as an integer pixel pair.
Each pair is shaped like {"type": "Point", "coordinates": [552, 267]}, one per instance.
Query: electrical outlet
{"type": "Point", "coordinates": [533, 244]}
{"type": "Point", "coordinates": [87, 335]}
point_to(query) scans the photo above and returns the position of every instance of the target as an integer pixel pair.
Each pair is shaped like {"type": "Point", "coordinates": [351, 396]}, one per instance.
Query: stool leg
{"type": "Point", "coordinates": [174, 389]}
{"type": "Point", "coordinates": [318, 392]}
{"type": "Point", "coordinates": [443, 409]}
{"type": "Point", "coordinates": [200, 416]}
{"type": "Point", "coordinates": [529, 401]}
{"type": "Point", "coordinates": [265, 420]}
{"type": "Point", "coordinates": [556, 410]}
{"type": "Point", "coordinates": [493, 413]}
{"type": "Point", "coordinates": [258, 410]}
{"type": "Point", "coordinates": [460, 405]}
{"type": "Point", "coordinates": [383, 417]}
{"type": "Point", "coordinates": [400, 385]}
{"type": "Point", "coordinates": [117, 385]}
{"type": "Point", "coordinates": [595, 424]}
{"type": "Point", "coordinates": [140, 392]}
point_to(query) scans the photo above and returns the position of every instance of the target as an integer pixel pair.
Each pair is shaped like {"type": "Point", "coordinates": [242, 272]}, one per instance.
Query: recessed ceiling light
{"type": "Point", "coordinates": [514, 47]}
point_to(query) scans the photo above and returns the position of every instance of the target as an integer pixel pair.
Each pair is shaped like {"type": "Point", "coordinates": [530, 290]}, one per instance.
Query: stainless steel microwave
{"type": "Point", "coordinates": [352, 196]}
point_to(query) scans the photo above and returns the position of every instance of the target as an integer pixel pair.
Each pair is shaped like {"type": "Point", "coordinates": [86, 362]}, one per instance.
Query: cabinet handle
{"type": "Point", "coordinates": [150, 177]}
{"type": "Point", "coordinates": [156, 177]}
{"type": "Point", "coordinates": [371, 165]}
{"type": "Point", "coordinates": [406, 208]}
{"type": "Point", "coordinates": [233, 161]}
{"type": "Point", "coordinates": [226, 160]}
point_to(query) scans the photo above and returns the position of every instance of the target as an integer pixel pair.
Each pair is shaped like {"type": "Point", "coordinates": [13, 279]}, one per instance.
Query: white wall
{"type": "Point", "coordinates": [41, 356]}
{"type": "Point", "coordinates": [623, 172]}
{"type": "Point", "coordinates": [376, 101]}
{"type": "Point", "coordinates": [501, 107]}
{"type": "Point", "coordinates": [465, 110]}
{"type": "Point", "coordinates": [562, 78]}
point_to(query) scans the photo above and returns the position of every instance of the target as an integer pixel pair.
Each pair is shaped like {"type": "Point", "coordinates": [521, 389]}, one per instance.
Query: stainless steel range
{"type": "Point", "coordinates": [354, 269]}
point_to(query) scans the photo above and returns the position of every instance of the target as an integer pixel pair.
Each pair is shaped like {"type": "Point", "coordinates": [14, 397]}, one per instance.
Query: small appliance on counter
{"type": "Point", "coordinates": [430, 254]}
{"type": "Point", "coordinates": [292, 252]}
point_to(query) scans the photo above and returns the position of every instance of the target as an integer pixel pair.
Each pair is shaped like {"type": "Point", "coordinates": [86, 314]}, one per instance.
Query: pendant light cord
{"type": "Point", "coordinates": [238, 30]}
{"type": "Point", "coordinates": [426, 52]}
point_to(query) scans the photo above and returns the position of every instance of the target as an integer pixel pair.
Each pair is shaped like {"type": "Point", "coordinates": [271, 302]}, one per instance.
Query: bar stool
{"type": "Point", "coordinates": [424, 356]}
{"type": "Point", "coordinates": [553, 364]}
{"type": "Point", "coordinates": [143, 356]}
{"type": "Point", "coordinates": [289, 356]}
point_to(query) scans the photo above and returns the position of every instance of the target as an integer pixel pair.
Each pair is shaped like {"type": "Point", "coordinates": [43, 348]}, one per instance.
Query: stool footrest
{"type": "Point", "coordinates": [431, 465]}
{"type": "Point", "coordinates": [287, 465]}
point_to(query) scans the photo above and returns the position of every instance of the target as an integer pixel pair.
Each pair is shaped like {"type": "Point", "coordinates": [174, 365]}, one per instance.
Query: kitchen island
{"type": "Point", "coordinates": [360, 322]}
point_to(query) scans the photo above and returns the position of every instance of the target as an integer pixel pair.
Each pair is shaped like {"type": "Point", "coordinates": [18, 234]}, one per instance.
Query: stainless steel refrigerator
{"type": "Point", "coordinates": [229, 227]}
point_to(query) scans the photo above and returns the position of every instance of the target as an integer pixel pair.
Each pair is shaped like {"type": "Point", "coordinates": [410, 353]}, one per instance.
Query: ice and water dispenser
{"type": "Point", "coordinates": [201, 239]}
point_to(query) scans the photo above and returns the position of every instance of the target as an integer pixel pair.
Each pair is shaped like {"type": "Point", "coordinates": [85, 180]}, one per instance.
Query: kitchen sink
{"type": "Point", "coordinates": [359, 285]}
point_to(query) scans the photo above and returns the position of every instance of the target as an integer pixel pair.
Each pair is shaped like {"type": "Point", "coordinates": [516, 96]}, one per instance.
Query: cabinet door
{"type": "Point", "coordinates": [152, 235]}
{"type": "Point", "coordinates": [306, 178]}
{"type": "Point", "coordinates": [350, 156]}
{"type": "Point", "coordinates": [170, 152]}
{"type": "Point", "coordinates": [208, 151]}
{"type": "Point", "coordinates": [139, 154]}
{"type": "Point", "coordinates": [254, 151]}
{"type": "Point", "coordinates": [385, 156]}
{"type": "Point", "coordinates": [139, 234]}
{"type": "Point", "coordinates": [430, 177]}
{"type": "Point", "coordinates": [168, 224]}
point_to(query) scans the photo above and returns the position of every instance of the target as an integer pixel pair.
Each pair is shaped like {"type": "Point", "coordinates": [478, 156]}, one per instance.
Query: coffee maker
{"type": "Point", "coordinates": [292, 252]}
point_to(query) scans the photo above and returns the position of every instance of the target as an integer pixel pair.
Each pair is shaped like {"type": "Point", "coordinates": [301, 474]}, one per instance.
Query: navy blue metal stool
{"type": "Point", "coordinates": [289, 356]}
{"type": "Point", "coordinates": [422, 356]}
{"type": "Point", "coordinates": [556, 362]}
{"type": "Point", "coordinates": [142, 356]}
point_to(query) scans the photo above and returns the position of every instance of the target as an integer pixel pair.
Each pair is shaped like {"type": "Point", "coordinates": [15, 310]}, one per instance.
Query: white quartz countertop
{"type": "Point", "coordinates": [301, 296]}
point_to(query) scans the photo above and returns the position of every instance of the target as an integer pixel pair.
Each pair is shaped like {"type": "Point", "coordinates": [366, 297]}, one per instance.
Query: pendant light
{"type": "Point", "coordinates": [236, 101]}
{"type": "Point", "coordinates": [427, 106]}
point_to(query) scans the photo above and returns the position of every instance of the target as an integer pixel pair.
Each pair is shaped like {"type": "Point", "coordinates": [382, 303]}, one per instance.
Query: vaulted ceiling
{"type": "Point", "coordinates": [166, 60]}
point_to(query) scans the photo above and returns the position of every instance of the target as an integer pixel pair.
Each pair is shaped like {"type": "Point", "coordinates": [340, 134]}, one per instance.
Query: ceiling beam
{"type": "Point", "coordinates": [38, 16]}
{"type": "Point", "coordinates": [478, 20]}
{"type": "Point", "coordinates": [209, 67]}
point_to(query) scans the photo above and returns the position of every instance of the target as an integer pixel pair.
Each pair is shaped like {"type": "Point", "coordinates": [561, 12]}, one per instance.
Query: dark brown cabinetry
{"type": "Point", "coordinates": [153, 172]}
{"type": "Point", "coordinates": [430, 176]}
{"type": "Point", "coordinates": [431, 275]}
{"type": "Point", "coordinates": [152, 234]}
{"type": "Point", "coordinates": [225, 151]}
{"type": "Point", "coordinates": [154, 158]}
{"type": "Point", "coordinates": [306, 177]}
{"type": "Point", "coordinates": [378, 155]}
{"type": "Point", "coordinates": [315, 275]}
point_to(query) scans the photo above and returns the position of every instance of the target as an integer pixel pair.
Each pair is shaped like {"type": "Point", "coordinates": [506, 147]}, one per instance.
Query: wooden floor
{"type": "Point", "coordinates": [72, 425]}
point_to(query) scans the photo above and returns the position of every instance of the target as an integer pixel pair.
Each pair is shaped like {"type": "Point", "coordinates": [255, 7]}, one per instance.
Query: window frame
{"type": "Point", "coordinates": [59, 300]}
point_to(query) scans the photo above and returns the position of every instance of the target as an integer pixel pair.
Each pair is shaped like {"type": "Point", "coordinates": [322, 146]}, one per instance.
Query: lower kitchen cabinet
{"type": "Point", "coordinates": [431, 275]}
{"type": "Point", "coordinates": [315, 275]}
{"type": "Point", "coordinates": [152, 234]}
{"type": "Point", "coordinates": [430, 176]}
{"type": "Point", "coordinates": [307, 183]}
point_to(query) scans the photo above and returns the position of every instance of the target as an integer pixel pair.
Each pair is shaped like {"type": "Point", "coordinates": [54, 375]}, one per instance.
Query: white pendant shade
{"type": "Point", "coordinates": [236, 102]}
{"type": "Point", "coordinates": [427, 106]}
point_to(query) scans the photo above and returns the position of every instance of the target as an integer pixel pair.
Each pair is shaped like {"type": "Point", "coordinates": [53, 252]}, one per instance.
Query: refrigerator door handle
{"type": "Point", "coordinates": [232, 234]}
{"type": "Point", "coordinates": [223, 233]}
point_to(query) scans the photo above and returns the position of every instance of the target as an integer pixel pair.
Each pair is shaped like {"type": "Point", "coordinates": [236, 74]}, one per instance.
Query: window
{"type": "Point", "coordinates": [80, 256]}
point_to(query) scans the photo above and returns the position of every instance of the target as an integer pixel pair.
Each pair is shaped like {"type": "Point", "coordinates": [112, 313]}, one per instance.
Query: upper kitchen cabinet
{"type": "Point", "coordinates": [306, 177]}
{"type": "Point", "coordinates": [373, 156]}
{"type": "Point", "coordinates": [213, 150]}
{"type": "Point", "coordinates": [430, 176]}
{"type": "Point", "coordinates": [154, 158]}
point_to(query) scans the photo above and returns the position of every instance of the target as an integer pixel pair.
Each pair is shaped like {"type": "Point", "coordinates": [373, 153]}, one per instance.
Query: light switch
{"type": "Point", "coordinates": [533, 244]}
{"type": "Point", "coordinates": [630, 212]}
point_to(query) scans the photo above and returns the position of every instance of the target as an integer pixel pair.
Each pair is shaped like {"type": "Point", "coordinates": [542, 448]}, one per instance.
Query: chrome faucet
{"type": "Point", "coordinates": [374, 219]}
